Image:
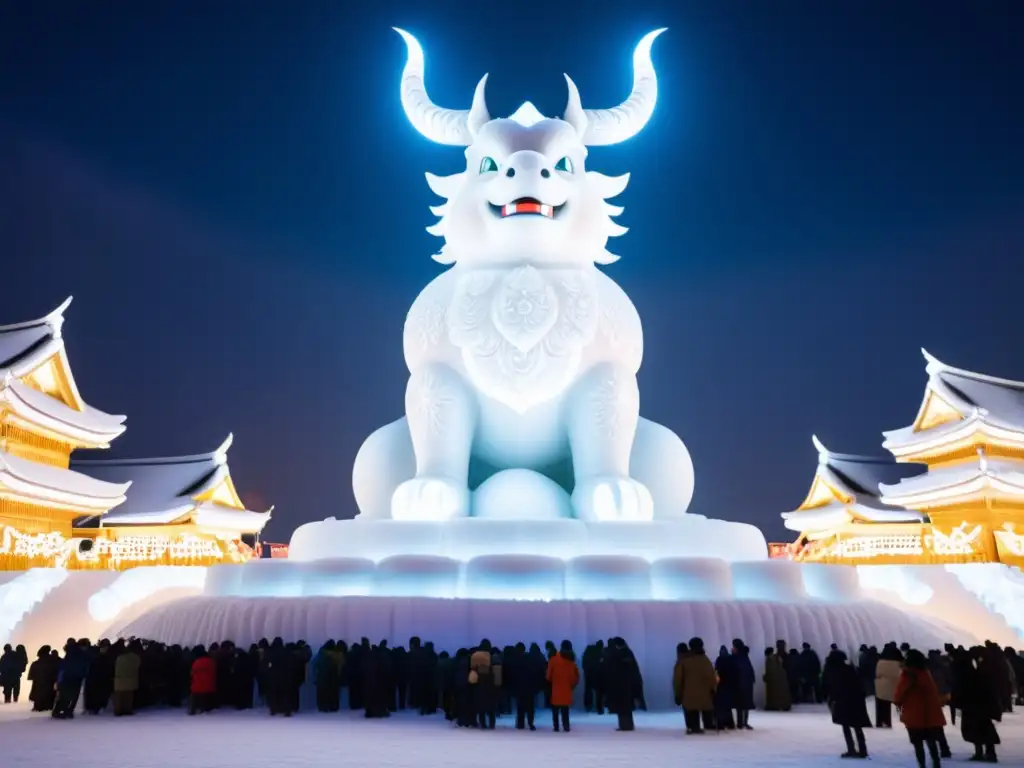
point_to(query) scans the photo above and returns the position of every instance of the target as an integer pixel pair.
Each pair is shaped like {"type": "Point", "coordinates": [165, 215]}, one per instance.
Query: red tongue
{"type": "Point", "coordinates": [513, 209]}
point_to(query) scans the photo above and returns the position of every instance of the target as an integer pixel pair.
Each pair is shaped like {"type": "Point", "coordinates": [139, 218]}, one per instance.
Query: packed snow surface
{"type": "Point", "coordinates": [168, 739]}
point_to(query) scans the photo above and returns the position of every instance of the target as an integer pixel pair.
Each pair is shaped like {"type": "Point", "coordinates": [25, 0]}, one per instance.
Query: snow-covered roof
{"type": "Point", "coordinates": [26, 346]}
{"type": "Point", "coordinates": [981, 401]}
{"type": "Point", "coordinates": [219, 518]}
{"type": "Point", "coordinates": [62, 486]}
{"type": "Point", "coordinates": [19, 341]}
{"type": "Point", "coordinates": [838, 514]}
{"type": "Point", "coordinates": [860, 476]}
{"type": "Point", "coordinates": [857, 479]}
{"type": "Point", "coordinates": [957, 482]}
{"type": "Point", "coordinates": [164, 490]}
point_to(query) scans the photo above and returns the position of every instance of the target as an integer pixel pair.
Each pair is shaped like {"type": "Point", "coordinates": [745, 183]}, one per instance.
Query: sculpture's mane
{"type": "Point", "coordinates": [448, 187]}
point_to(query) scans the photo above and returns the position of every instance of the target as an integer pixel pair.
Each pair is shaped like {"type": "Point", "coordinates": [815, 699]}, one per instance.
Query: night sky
{"type": "Point", "coordinates": [232, 194]}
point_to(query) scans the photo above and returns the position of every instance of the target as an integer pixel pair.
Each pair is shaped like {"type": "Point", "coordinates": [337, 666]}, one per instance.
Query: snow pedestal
{"type": "Point", "coordinates": [689, 536]}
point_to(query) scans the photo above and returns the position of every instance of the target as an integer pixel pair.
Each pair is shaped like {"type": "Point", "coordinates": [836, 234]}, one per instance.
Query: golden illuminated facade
{"type": "Point", "coordinates": [43, 418]}
{"type": "Point", "coordinates": [45, 497]}
{"type": "Point", "coordinates": [964, 505]}
{"type": "Point", "coordinates": [190, 501]}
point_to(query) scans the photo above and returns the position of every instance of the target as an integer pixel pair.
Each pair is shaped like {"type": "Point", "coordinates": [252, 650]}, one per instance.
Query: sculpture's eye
{"type": "Point", "coordinates": [565, 165]}
{"type": "Point", "coordinates": [487, 165]}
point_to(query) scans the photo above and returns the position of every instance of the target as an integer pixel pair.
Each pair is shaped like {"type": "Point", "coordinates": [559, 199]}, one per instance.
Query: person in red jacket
{"type": "Point", "coordinates": [920, 708]}
{"type": "Point", "coordinates": [203, 688]}
{"type": "Point", "coordinates": [563, 675]}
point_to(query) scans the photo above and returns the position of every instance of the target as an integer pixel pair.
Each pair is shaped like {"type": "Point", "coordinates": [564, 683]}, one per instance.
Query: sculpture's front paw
{"type": "Point", "coordinates": [430, 498]}
{"type": "Point", "coordinates": [601, 499]}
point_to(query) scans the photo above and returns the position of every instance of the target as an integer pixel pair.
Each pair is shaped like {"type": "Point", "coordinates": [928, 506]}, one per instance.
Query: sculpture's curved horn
{"type": "Point", "coordinates": [444, 126]}
{"type": "Point", "coordinates": [478, 114]}
{"type": "Point", "coordinates": [574, 112]}
{"type": "Point", "coordinates": [611, 126]}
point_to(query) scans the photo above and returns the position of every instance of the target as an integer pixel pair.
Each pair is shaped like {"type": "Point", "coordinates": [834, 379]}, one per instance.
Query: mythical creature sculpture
{"type": "Point", "coordinates": [523, 355]}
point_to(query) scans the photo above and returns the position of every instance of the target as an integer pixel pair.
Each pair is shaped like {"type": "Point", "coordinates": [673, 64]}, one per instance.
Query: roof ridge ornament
{"type": "Point", "coordinates": [220, 456]}
{"type": "Point", "coordinates": [932, 364]}
{"type": "Point", "coordinates": [823, 452]}
{"type": "Point", "coordinates": [56, 318]}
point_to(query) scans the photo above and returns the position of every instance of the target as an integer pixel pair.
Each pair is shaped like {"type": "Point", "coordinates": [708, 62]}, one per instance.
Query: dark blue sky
{"type": "Point", "coordinates": [234, 197]}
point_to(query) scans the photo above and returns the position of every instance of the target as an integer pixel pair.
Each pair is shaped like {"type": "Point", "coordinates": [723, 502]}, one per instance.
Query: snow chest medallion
{"type": "Point", "coordinates": [522, 330]}
{"type": "Point", "coordinates": [524, 308]}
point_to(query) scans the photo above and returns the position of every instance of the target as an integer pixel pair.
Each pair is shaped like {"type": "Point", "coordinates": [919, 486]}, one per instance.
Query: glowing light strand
{"type": "Point", "coordinates": [60, 552]}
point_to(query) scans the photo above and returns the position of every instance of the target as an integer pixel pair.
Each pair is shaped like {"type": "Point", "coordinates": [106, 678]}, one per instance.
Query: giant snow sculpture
{"type": "Point", "coordinates": [522, 432]}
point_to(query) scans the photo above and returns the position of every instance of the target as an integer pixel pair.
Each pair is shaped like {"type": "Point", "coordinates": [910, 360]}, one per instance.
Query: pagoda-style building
{"type": "Point", "coordinates": [43, 419]}
{"type": "Point", "coordinates": [188, 500]}
{"type": "Point", "coordinates": [99, 514]}
{"type": "Point", "coordinates": [843, 517]}
{"type": "Point", "coordinates": [969, 430]}
{"type": "Point", "coordinates": [967, 507]}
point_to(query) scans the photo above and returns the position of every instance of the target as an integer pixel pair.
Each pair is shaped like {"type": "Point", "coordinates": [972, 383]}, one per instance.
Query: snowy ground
{"type": "Point", "coordinates": [805, 737]}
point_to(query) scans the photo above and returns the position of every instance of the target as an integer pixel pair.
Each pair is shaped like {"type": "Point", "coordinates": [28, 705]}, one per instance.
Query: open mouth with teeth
{"type": "Point", "coordinates": [526, 206]}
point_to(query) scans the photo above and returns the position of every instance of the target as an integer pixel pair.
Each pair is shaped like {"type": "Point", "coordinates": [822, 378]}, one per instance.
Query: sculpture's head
{"type": "Point", "coordinates": [525, 194]}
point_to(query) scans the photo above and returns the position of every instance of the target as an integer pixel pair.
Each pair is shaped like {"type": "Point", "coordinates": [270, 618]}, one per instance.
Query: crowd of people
{"type": "Point", "coordinates": [475, 686]}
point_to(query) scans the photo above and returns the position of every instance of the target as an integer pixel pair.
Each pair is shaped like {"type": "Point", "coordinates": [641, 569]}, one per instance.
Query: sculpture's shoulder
{"type": "Point", "coordinates": [425, 337]}
{"type": "Point", "coordinates": [619, 331]}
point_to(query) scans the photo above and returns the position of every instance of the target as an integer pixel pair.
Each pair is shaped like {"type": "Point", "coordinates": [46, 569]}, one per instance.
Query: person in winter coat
{"type": "Point", "coordinates": [10, 678]}
{"type": "Point", "coordinates": [99, 682]}
{"type": "Point", "coordinates": [743, 701]}
{"type": "Point", "coordinates": [887, 674]}
{"type": "Point", "coordinates": [524, 680]}
{"type": "Point", "coordinates": [483, 690]}
{"type": "Point", "coordinates": [327, 678]}
{"type": "Point", "coordinates": [1017, 663]}
{"type": "Point", "coordinates": [465, 715]}
{"type": "Point", "coordinates": [202, 683]}
{"type": "Point", "coordinates": [994, 665]}
{"type": "Point", "coordinates": [70, 677]}
{"type": "Point", "coordinates": [43, 676]}
{"type": "Point", "coordinates": [809, 668]}
{"type": "Point", "coordinates": [846, 700]}
{"type": "Point", "coordinates": [727, 691]}
{"type": "Point", "coordinates": [978, 703]}
{"type": "Point", "coordinates": [429, 690]}
{"type": "Point", "coordinates": [279, 668]}
{"type": "Point", "coordinates": [593, 684]}
{"type": "Point", "coordinates": [126, 680]}
{"type": "Point", "coordinates": [920, 708]}
{"type": "Point", "coordinates": [563, 675]}
{"type": "Point", "coordinates": [776, 686]}
{"type": "Point", "coordinates": [695, 684]}
{"type": "Point", "coordinates": [446, 684]}
{"type": "Point", "coordinates": [618, 669]}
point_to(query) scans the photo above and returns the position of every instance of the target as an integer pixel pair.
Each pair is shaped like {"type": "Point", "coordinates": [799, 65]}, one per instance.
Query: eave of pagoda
{"type": "Point", "coordinates": [985, 482]}
{"type": "Point", "coordinates": [51, 488]}
{"type": "Point", "coordinates": [207, 518]}
{"type": "Point", "coordinates": [832, 516]}
{"type": "Point", "coordinates": [27, 408]}
{"type": "Point", "coordinates": [956, 441]}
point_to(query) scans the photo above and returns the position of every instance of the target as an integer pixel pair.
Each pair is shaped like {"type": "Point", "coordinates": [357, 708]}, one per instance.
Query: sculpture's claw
{"type": "Point", "coordinates": [602, 499]}
{"type": "Point", "coordinates": [430, 498]}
